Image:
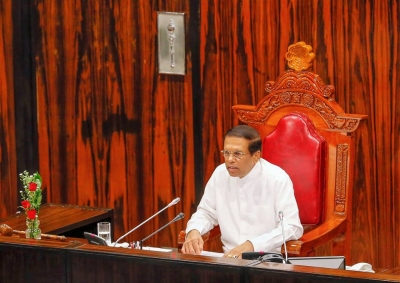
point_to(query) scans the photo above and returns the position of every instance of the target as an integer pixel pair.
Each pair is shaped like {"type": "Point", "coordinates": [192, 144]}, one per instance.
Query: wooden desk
{"type": "Point", "coordinates": [394, 271]}
{"type": "Point", "coordinates": [25, 260]}
{"type": "Point", "coordinates": [28, 260]}
{"type": "Point", "coordinates": [64, 219]}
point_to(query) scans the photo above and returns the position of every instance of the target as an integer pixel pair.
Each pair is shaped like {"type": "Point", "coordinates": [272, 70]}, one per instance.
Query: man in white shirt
{"type": "Point", "coordinates": [244, 197]}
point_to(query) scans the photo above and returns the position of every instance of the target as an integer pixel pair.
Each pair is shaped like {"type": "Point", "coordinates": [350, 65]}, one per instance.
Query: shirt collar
{"type": "Point", "coordinates": [254, 172]}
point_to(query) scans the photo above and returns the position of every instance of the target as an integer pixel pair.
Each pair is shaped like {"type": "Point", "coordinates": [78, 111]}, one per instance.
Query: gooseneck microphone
{"type": "Point", "coordinates": [178, 217]}
{"type": "Point", "coordinates": [175, 201]}
{"type": "Point", "coordinates": [283, 235]}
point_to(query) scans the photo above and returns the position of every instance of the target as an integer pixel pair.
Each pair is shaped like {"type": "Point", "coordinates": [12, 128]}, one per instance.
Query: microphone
{"type": "Point", "coordinates": [178, 217]}
{"type": "Point", "coordinates": [175, 201]}
{"type": "Point", "coordinates": [283, 235]}
{"type": "Point", "coordinates": [266, 257]}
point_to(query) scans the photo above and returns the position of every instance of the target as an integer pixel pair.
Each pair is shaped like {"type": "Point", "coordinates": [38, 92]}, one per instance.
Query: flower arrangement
{"type": "Point", "coordinates": [31, 200]}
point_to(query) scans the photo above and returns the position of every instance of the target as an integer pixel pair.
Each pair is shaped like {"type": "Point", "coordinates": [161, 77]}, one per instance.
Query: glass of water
{"type": "Point", "coordinates": [104, 231]}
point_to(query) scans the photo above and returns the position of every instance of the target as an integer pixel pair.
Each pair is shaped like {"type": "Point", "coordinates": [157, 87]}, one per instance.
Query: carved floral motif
{"type": "Point", "coordinates": [299, 56]}
{"type": "Point", "coordinates": [342, 152]}
{"type": "Point", "coordinates": [303, 89]}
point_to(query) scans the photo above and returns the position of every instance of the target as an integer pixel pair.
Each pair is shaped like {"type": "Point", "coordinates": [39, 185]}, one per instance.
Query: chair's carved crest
{"type": "Point", "coordinates": [303, 88]}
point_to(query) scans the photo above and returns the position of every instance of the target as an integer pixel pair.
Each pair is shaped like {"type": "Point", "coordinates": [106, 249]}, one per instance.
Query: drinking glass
{"type": "Point", "coordinates": [104, 231]}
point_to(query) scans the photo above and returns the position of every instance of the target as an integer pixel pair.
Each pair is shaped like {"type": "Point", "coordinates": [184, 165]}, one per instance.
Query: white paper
{"type": "Point", "coordinates": [361, 266]}
{"type": "Point", "coordinates": [214, 254]}
{"type": "Point", "coordinates": [156, 249]}
{"type": "Point", "coordinates": [118, 245]}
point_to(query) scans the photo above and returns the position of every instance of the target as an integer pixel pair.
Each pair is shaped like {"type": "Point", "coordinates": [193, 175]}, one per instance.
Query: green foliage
{"type": "Point", "coordinates": [34, 197]}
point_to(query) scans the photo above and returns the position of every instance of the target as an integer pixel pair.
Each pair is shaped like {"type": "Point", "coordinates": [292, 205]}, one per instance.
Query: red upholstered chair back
{"type": "Point", "coordinates": [296, 147]}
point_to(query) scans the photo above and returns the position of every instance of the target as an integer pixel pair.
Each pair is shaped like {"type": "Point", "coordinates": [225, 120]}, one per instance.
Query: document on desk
{"type": "Point", "coordinates": [156, 249]}
{"type": "Point", "coordinates": [213, 254]}
{"type": "Point", "coordinates": [126, 245]}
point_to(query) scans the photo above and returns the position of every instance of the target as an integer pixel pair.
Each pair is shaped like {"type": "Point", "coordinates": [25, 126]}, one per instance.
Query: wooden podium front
{"type": "Point", "coordinates": [74, 260]}
{"type": "Point", "coordinates": [26, 260]}
{"type": "Point", "coordinates": [64, 219]}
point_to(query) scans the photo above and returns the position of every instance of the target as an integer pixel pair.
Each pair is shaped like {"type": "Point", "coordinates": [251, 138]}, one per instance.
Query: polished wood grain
{"type": "Point", "coordinates": [8, 178]}
{"type": "Point", "coordinates": [113, 133]}
{"type": "Point", "coordinates": [63, 219]}
{"type": "Point", "coordinates": [105, 129]}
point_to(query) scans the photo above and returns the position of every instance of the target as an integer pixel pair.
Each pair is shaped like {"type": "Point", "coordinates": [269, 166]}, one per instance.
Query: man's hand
{"type": "Point", "coordinates": [237, 252]}
{"type": "Point", "coordinates": [193, 243]}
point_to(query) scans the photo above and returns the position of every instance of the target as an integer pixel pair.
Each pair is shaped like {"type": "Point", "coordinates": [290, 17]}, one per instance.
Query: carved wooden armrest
{"type": "Point", "coordinates": [306, 245]}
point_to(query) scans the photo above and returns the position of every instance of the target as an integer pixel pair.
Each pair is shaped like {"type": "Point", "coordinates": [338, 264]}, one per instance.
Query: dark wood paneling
{"type": "Point", "coordinates": [49, 261]}
{"type": "Point", "coordinates": [26, 135]}
{"type": "Point", "coordinates": [113, 132]}
{"type": "Point", "coordinates": [8, 177]}
{"type": "Point", "coordinates": [28, 262]}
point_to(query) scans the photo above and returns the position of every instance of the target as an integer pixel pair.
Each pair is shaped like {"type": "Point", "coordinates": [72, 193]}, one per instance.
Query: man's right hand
{"type": "Point", "coordinates": [193, 243]}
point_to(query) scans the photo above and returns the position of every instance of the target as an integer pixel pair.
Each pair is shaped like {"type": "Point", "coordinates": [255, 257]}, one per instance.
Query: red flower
{"type": "Point", "coordinates": [25, 204]}
{"type": "Point", "coordinates": [32, 187]}
{"type": "Point", "coordinates": [31, 214]}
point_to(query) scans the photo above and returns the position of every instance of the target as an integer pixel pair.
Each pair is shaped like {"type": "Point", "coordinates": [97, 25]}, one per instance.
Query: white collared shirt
{"type": "Point", "coordinates": [248, 208]}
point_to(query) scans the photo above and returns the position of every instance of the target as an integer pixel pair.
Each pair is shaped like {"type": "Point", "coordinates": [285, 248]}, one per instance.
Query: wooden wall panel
{"type": "Point", "coordinates": [112, 131]}
{"type": "Point", "coordinates": [243, 44]}
{"type": "Point", "coordinates": [8, 178]}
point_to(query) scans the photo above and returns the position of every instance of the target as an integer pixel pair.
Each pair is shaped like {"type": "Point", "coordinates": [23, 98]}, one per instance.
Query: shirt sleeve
{"type": "Point", "coordinates": [205, 218]}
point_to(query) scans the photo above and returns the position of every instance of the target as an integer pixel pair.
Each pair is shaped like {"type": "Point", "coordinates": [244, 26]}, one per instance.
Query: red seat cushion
{"type": "Point", "coordinates": [297, 148]}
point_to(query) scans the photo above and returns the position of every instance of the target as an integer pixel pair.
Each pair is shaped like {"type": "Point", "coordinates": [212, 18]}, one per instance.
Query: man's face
{"type": "Point", "coordinates": [239, 167]}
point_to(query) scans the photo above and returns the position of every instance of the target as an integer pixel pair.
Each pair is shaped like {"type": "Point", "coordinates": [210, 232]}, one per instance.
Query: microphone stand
{"type": "Point", "coordinates": [283, 235]}
{"type": "Point", "coordinates": [268, 257]}
{"type": "Point", "coordinates": [138, 244]}
{"type": "Point", "coordinates": [175, 201]}
{"type": "Point", "coordinates": [178, 217]}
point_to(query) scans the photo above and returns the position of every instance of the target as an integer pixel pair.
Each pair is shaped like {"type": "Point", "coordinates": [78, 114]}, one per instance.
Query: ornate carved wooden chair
{"type": "Point", "coordinates": [307, 133]}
